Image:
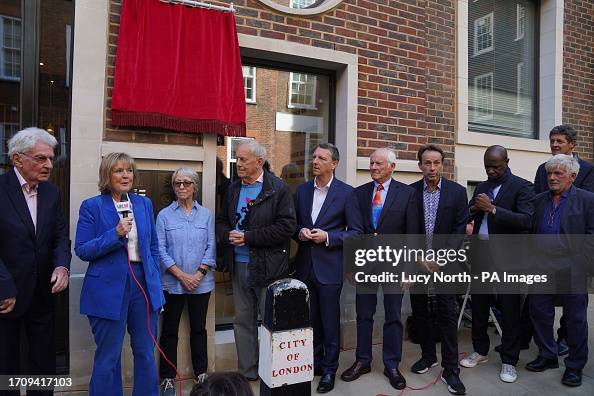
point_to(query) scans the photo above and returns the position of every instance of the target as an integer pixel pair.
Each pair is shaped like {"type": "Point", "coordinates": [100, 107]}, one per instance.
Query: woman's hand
{"type": "Point", "coordinates": [189, 282]}
{"type": "Point", "coordinates": [124, 226]}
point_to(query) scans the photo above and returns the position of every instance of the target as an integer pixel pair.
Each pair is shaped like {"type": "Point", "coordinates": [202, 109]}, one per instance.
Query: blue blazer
{"type": "Point", "coordinates": [29, 254]}
{"type": "Point", "coordinates": [336, 219]}
{"type": "Point", "coordinates": [97, 242]}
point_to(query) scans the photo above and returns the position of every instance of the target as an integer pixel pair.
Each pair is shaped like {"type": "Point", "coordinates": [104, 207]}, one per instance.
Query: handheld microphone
{"type": "Point", "coordinates": [123, 206]}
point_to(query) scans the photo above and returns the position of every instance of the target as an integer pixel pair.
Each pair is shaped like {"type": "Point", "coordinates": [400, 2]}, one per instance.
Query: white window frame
{"type": "Point", "coordinates": [231, 154]}
{"type": "Point", "coordinates": [292, 4]}
{"type": "Point", "coordinates": [476, 96]}
{"type": "Point", "coordinates": [307, 106]}
{"type": "Point", "coordinates": [252, 99]}
{"type": "Point", "coordinates": [520, 23]}
{"type": "Point", "coordinates": [477, 21]}
{"type": "Point", "coordinates": [519, 74]}
{"type": "Point", "coordinates": [3, 76]}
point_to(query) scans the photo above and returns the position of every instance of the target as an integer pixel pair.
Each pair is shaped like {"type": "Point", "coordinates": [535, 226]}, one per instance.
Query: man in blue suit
{"type": "Point", "coordinates": [34, 255]}
{"type": "Point", "coordinates": [323, 221]}
{"type": "Point", "coordinates": [566, 210]}
{"type": "Point", "coordinates": [443, 212]}
{"type": "Point", "coordinates": [386, 206]}
{"type": "Point", "coordinates": [563, 139]}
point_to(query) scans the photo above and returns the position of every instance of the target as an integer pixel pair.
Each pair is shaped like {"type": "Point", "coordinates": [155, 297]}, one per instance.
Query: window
{"type": "Point", "coordinates": [301, 3]}
{"type": "Point", "coordinates": [520, 21]}
{"type": "Point", "coordinates": [483, 34]}
{"type": "Point", "coordinates": [7, 130]}
{"type": "Point", "coordinates": [302, 91]}
{"type": "Point", "coordinates": [249, 83]}
{"type": "Point", "coordinates": [502, 92]}
{"type": "Point", "coordinates": [483, 109]}
{"type": "Point", "coordinates": [10, 55]}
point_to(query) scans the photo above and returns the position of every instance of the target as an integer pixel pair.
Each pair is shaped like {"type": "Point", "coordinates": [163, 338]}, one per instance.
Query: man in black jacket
{"type": "Point", "coordinates": [500, 205]}
{"type": "Point", "coordinates": [563, 139]}
{"type": "Point", "coordinates": [34, 254]}
{"type": "Point", "coordinates": [443, 214]}
{"type": "Point", "coordinates": [256, 222]}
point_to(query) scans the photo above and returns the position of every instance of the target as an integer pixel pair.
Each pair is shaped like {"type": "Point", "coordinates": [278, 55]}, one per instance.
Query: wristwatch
{"type": "Point", "coordinates": [494, 210]}
{"type": "Point", "coordinates": [202, 271]}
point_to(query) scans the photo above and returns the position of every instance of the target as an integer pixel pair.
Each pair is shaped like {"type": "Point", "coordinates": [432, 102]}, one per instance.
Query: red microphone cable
{"type": "Point", "coordinates": [148, 323]}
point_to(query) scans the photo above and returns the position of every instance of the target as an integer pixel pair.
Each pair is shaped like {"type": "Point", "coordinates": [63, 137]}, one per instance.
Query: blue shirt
{"type": "Point", "coordinates": [186, 240]}
{"type": "Point", "coordinates": [248, 193]}
{"type": "Point", "coordinates": [550, 224]}
{"type": "Point", "coordinates": [430, 205]}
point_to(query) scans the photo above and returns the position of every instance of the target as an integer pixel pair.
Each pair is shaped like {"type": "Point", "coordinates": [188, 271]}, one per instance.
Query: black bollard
{"type": "Point", "coordinates": [286, 341]}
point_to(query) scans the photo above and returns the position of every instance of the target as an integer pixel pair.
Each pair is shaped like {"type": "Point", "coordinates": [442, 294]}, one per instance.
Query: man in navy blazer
{"type": "Point", "coordinates": [500, 205]}
{"type": "Point", "coordinates": [563, 210]}
{"type": "Point", "coordinates": [324, 220]}
{"type": "Point", "coordinates": [563, 139]}
{"type": "Point", "coordinates": [386, 206]}
{"type": "Point", "coordinates": [34, 254]}
{"type": "Point", "coordinates": [443, 213]}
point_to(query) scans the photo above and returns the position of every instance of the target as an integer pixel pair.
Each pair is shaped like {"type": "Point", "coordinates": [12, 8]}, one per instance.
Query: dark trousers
{"type": "Point", "coordinates": [392, 338]}
{"type": "Point", "coordinates": [38, 322]}
{"type": "Point", "coordinates": [542, 312]}
{"type": "Point", "coordinates": [324, 312]}
{"type": "Point", "coordinates": [526, 330]}
{"type": "Point", "coordinates": [197, 309]}
{"type": "Point", "coordinates": [509, 304]}
{"type": "Point", "coordinates": [447, 319]}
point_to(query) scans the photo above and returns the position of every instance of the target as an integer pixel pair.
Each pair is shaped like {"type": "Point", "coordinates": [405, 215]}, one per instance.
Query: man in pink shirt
{"type": "Point", "coordinates": [34, 254]}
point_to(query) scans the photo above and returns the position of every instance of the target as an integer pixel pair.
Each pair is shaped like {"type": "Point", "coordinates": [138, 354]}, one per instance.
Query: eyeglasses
{"type": "Point", "coordinates": [39, 159]}
{"type": "Point", "coordinates": [186, 184]}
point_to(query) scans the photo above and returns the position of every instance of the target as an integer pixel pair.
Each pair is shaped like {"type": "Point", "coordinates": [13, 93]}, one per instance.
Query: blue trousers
{"type": "Point", "coordinates": [542, 313]}
{"type": "Point", "coordinates": [392, 343]}
{"type": "Point", "coordinates": [106, 379]}
{"type": "Point", "coordinates": [324, 312]}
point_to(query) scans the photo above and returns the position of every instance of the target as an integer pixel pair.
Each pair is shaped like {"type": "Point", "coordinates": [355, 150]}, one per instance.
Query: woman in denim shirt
{"type": "Point", "coordinates": [186, 234]}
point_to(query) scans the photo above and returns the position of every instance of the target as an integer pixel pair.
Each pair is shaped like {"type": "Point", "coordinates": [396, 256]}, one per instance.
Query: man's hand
{"type": "Point", "coordinates": [7, 305]}
{"type": "Point", "coordinates": [483, 203]}
{"type": "Point", "coordinates": [318, 236]}
{"type": "Point", "coordinates": [405, 285]}
{"type": "Point", "coordinates": [428, 266]}
{"type": "Point", "coordinates": [236, 238]}
{"type": "Point", "coordinates": [305, 234]}
{"type": "Point", "coordinates": [59, 279]}
{"type": "Point", "coordinates": [350, 276]}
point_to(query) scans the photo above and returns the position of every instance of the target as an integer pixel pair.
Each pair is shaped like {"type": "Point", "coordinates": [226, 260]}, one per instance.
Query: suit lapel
{"type": "Point", "coordinates": [138, 210]}
{"type": "Point", "coordinates": [569, 205]}
{"type": "Point", "coordinates": [443, 195]}
{"type": "Point", "coordinates": [502, 191]}
{"type": "Point", "coordinates": [367, 201]}
{"type": "Point", "coordinates": [308, 202]}
{"type": "Point", "coordinates": [392, 191]}
{"type": "Point", "coordinates": [328, 201]}
{"type": "Point", "coordinates": [42, 208]}
{"type": "Point", "coordinates": [109, 213]}
{"type": "Point", "coordinates": [15, 193]}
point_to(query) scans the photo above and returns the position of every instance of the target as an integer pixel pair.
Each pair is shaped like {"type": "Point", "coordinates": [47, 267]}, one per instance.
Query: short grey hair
{"type": "Point", "coordinates": [189, 172]}
{"type": "Point", "coordinates": [389, 153]}
{"type": "Point", "coordinates": [568, 162]}
{"type": "Point", "coordinates": [256, 148]}
{"type": "Point", "coordinates": [26, 139]}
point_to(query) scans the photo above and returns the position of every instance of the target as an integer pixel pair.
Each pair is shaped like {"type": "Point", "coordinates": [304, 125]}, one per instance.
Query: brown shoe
{"type": "Point", "coordinates": [355, 371]}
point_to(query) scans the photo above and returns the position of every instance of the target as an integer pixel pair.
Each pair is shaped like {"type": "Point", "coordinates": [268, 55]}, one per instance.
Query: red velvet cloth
{"type": "Point", "coordinates": [179, 68]}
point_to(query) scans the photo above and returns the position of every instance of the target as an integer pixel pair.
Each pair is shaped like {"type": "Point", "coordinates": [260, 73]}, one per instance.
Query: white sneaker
{"type": "Point", "coordinates": [508, 373]}
{"type": "Point", "coordinates": [473, 359]}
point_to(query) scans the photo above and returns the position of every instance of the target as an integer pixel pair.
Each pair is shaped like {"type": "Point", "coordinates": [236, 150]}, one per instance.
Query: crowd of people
{"type": "Point", "coordinates": [139, 267]}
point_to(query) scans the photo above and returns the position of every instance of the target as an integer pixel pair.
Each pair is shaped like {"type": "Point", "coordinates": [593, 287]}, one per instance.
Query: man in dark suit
{"type": "Point", "coordinates": [34, 254]}
{"type": "Point", "coordinates": [564, 209]}
{"type": "Point", "coordinates": [500, 205]}
{"type": "Point", "coordinates": [443, 213]}
{"type": "Point", "coordinates": [323, 221]}
{"type": "Point", "coordinates": [386, 206]}
{"type": "Point", "coordinates": [563, 139]}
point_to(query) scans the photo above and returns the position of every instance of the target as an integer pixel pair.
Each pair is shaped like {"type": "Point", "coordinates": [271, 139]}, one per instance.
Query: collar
{"type": "Point", "coordinates": [260, 179]}
{"type": "Point", "coordinates": [386, 184]}
{"type": "Point", "coordinates": [425, 185]}
{"type": "Point", "coordinates": [327, 186]}
{"type": "Point", "coordinates": [175, 205]}
{"type": "Point", "coordinates": [23, 183]}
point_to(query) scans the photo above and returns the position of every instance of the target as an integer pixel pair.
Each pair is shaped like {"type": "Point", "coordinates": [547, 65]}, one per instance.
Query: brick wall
{"type": "Point", "coordinates": [578, 72]}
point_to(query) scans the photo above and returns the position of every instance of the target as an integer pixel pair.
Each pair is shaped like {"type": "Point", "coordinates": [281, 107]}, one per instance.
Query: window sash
{"type": "Point", "coordinates": [10, 51]}
{"type": "Point", "coordinates": [302, 91]}
{"type": "Point", "coordinates": [483, 34]}
{"type": "Point", "coordinates": [249, 83]}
